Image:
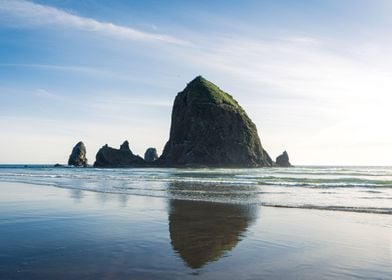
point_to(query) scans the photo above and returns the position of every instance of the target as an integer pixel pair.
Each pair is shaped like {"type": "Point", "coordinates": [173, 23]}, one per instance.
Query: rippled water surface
{"type": "Point", "coordinates": [86, 223]}
{"type": "Point", "coordinates": [357, 189]}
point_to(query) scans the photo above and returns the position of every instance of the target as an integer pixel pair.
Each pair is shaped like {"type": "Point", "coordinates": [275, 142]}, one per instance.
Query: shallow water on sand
{"type": "Point", "coordinates": [353, 189]}
{"type": "Point", "coordinates": [58, 233]}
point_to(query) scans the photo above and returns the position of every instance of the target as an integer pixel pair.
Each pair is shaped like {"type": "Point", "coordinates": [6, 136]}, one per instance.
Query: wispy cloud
{"type": "Point", "coordinates": [70, 68]}
{"type": "Point", "coordinates": [33, 14]}
{"type": "Point", "coordinates": [43, 93]}
{"type": "Point", "coordinates": [100, 73]}
{"type": "Point", "coordinates": [300, 67]}
{"type": "Point", "coordinates": [320, 92]}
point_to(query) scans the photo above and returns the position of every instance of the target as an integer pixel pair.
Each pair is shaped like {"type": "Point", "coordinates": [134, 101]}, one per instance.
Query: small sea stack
{"type": "Point", "coordinates": [151, 155]}
{"type": "Point", "coordinates": [283, 160]}
{"type": "Point", "coordinates": [123, 157]}
{"type": "Point", "coordinates": [125, 146]}
{"type": "Point", "coordinates": [78, 155]}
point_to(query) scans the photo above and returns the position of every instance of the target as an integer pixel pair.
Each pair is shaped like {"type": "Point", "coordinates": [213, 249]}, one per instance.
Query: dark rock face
{"type": "Point", "coordinates": [150, 155]}
{"type": "Point", "coordinates": [123, 157]}
{"type": "Point", "coordinates": [78, 155]}
{"type": "Point", "coordinates": [209, 128]}
{"type": "Point", "coordinates": [283, 160]}
{"type": "Point", "coordinates": [125, 146]}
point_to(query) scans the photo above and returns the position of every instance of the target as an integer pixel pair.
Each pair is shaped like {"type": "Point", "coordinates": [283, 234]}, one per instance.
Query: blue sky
{"type": "Point", "coordinates": [315, 76]}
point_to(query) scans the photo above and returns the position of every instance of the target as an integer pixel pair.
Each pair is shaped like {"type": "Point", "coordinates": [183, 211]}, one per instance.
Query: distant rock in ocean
{"type": "Point", "coordinates": [125, 146]}
{"type": "Point", "coordinates": [123, 157]}
{"type": "Point", "coordinates": [78, 155]}
{"type": "Point", "coordinates": [209, 128]}
{"type": "Point", "coordinates": [151, 155]}
{"type": "Point", "coordinates": [283, 160]}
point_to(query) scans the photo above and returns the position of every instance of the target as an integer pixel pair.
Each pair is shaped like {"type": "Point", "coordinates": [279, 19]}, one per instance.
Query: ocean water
{"type": "Point", "coordinates": [352, 189]}
{"type": "Point", "coordinates": [271, 223]}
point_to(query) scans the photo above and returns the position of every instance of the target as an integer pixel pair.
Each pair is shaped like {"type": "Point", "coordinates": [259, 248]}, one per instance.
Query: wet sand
{"type": "Point", "coordinates": [54, 233]}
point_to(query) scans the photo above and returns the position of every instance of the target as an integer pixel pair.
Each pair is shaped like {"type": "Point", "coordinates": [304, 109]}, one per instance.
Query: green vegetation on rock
{"type": "Point", "coordinates": [209, 128]}
{"type": "Point", "coordinates": [205, 91]}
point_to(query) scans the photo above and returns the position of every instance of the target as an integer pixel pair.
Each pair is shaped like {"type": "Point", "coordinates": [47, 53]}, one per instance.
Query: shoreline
{"type": "Point", "coordinates": [50, 232]}
{"type": "Point", "coordinates": [327, 189]}
{"type": "Point", "coordinates": [378, 211]}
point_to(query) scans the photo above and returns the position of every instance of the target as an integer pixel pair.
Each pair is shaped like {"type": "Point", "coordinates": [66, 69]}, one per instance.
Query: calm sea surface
{"type": "Point", "coordinates": [359, 189]}
{"type": "Point", "coordinates": [272, 223]}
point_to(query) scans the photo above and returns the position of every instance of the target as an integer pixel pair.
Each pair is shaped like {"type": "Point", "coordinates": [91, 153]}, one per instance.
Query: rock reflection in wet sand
{"type": "Point", "coordinates": [202, 232]}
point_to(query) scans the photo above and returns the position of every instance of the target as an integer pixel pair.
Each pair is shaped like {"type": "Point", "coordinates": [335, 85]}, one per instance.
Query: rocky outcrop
{"type": "Point", "coordinates": [283, 160]}
{"type": "Point", "coordinates": [151, 155]}
{"type": "Point", "coordinates": [125, 146]}
{"type": "Point", "coordinates": [78, 155]}
{"type": "Point", "coordinates": [123, 157]}
{"type": "Point", "coordinates": [209, 128]}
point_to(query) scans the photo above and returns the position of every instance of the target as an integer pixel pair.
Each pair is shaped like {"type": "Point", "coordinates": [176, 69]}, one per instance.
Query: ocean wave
{"type": "Point", "coordinates": [371, 186]}
{"type": "Point", "coordinates": [269, 186]}
{"type": "Point", "coordinates": [327, 183]}
{"type": "Point", "coordinates": [220, 197]}
{"type": "Point", "coordinates": [372, 210]}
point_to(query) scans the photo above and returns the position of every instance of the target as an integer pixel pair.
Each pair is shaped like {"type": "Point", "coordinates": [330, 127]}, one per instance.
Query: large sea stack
{"type": "Point", "coordinates": [78, 155]}
{"type": "Point", "coordinates": [123, 157]}
{"type": "Point", "coordinates": [209, 128]}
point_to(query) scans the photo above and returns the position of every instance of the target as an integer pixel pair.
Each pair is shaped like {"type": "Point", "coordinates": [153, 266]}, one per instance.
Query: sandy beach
{"type": "Point", "coordinates": [55, 233]}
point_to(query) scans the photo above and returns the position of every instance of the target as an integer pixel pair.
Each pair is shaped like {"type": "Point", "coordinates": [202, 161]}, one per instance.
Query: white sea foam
{"type": "Point", "coordinates": [322, 188]}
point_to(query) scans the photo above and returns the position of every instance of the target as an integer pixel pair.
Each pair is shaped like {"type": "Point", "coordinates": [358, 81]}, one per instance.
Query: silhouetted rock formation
{"type": "Point", "coordinates": [78, 155]}
{"type": "Point", "coordinates": [123, 157]}
{"type": "Point", "coordinates": [283, 160]}
{"type": "Point", "coordinates": [209, 128]}
{"type": "Point", "coordinates": [150, 155]}
{"type": "Point", "coordinates": [201, 232]}
{"type": "Point", "coordinates": [125, 146]}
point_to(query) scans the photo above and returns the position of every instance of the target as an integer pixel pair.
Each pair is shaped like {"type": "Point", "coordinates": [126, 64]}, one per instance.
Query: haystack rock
{"type": "Point", "coordinates": [78, 155]}
{"type": "Point", "coordinates": [123, 157]}
{"type": "Point", "coordinates": [209, 128]}
{"type": "Point", "coordinates": [151, 155]}
{"type": "Point", "coordinates": [283, 160]}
